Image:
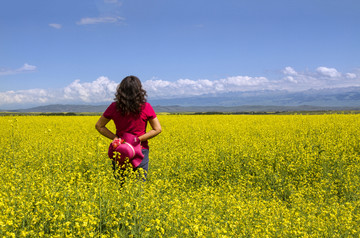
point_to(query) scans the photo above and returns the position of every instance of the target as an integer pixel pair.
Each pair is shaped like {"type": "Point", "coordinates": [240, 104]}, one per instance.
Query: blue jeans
{"type": "Point", "coordinates": [145, 162]}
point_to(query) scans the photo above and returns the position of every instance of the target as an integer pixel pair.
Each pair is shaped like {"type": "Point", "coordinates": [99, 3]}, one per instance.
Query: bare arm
{"type": "Point", "coordinates": [101, 127]}
{"type": "Point", "coordinates": [155, 130]}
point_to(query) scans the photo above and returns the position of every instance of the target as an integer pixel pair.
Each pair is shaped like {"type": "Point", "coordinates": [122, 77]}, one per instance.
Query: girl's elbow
{"type": "Point", "coordinates": [159, 130]}
{"type": "Point", "coordinates": [97, 127]}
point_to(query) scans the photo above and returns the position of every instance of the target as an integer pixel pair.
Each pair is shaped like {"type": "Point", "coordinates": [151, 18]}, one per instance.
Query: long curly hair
{"type": "Point", "coordinates": [130, 96]}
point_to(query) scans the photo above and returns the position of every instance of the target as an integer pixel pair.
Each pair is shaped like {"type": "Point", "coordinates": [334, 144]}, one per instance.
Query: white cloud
{"type": "Point", "coordinates": [55, 25]}
{"type": "Point", "coordinates": [27, 67]}
{"type": "Point", "coordinates": [290, 79]}
{"type": "Point", "coordinates": [110, 1]}
{"type": "Point", "coordinates": [188, 87]}
{"type": "Point", "coordinates": [100, 90]}
{"type": "Point", "coordinates": [109, 13]}
{"type": "Point", "coordinates": [330, 72]}
{"type": "Point", "coordinates": [289, 71]}
{"type": "Point", "coordinates": [243, 81]}
{"type": "Point", "coordinates": [350, 75]}
{"type": "Point", "coordinates": [162, 88]}
{"type": "Point", "coordinates": [25, 96]}
{"type": "Point", "coordinates": [323, 77]}
{"type": "Point", "coordinates": [97, 20]}
{"type": "Point", "coordinates": [24, 69]}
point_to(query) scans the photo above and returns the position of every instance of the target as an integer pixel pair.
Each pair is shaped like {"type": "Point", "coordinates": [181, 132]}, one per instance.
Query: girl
{"type": "Point", "coordinates": [130, 113]}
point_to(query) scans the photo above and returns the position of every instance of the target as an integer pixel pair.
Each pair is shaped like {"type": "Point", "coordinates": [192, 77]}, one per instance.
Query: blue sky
{"type": "Point", "coordinates": [63, 51]}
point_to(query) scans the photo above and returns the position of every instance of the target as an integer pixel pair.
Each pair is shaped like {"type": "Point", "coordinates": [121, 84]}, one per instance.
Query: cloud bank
{"type": "Point", "coordinates": [187, 87]}
{"type": "Point", "coordinates": [102, 89]}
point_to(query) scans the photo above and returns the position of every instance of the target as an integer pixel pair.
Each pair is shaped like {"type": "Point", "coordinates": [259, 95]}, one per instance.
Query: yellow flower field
{"type": "Point", "coordinates": [209, 176]}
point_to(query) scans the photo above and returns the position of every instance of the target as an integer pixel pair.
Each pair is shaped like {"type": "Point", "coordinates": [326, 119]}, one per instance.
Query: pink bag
{"type": "Point", "coordinates": [128, 147]}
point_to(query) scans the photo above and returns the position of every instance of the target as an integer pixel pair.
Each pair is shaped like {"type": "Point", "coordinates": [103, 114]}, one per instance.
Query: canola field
{"type": "Point", "coordinates": [209, 176]}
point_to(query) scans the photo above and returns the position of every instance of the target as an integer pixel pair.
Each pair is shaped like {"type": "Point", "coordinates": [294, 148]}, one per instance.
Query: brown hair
{"type": "Point", "coordinates": [130, 95]}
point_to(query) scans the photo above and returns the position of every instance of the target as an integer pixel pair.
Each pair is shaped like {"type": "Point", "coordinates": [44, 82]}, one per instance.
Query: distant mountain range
{"type": "Point", "coordinates": [336, 97]}
{"type": "Point", "coordinates": [60, 108]}
{"type": "Point", "coordinates": [256, 101]}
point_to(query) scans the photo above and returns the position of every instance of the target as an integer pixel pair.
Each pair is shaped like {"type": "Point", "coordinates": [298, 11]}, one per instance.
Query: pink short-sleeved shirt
{"type": "Point", "coordinates": [135, 125]}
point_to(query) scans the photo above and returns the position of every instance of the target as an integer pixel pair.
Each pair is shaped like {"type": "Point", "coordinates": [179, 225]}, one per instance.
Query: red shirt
{"type": "Point", "coordinates": [134, 124]}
